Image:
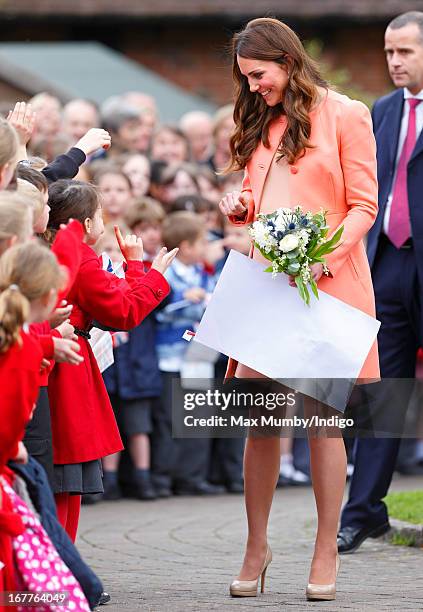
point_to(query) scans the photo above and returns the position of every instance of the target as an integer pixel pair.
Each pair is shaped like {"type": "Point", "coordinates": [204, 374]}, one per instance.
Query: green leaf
{"type": "Point", "coordinates": [307, 295]}
{"type": "Point", "coordinates": [304, 294]}
{"type": "Point", "coordinates": [268, 256]}
{"type": "Point", "coordinates": [293, 268]}
{"type": "Point", "coordinates": [269, 269]}
{"type": "Point", "coordinates": [314, 287]}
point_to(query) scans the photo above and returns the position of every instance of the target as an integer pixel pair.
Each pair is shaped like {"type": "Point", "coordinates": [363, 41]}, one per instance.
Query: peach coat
{"type": "Point", "coordinates": [338, 175]}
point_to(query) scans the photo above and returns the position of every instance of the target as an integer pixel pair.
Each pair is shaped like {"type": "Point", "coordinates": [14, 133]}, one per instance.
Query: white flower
{"type": "Point", "coordinates": [304, 235]}
{"type": "Point", "coordinates": [261, 236]}
{"type": "Point", "coordinates": [259, 232]}
{"type": "Point", "coordinates": [284, 216]}
{"type": "Point", "coordinates": [288, 243]}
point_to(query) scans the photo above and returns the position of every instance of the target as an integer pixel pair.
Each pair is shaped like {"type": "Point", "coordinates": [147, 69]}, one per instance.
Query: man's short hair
{"type": "Point", "coordinates": [407, 18]}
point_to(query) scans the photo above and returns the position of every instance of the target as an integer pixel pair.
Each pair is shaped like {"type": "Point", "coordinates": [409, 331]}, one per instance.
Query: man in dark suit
{"type": "Point", "coordinates": [395, 251]}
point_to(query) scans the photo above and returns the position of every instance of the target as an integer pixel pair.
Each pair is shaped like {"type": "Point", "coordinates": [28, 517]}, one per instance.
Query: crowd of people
{"type": "Point", "coordinates": [129, 243]}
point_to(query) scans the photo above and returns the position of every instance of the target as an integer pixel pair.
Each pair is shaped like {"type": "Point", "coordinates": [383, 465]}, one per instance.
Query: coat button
{"type": "Point", "coordinates": [294, 170]}
{"type": "Point", "coordinates": [159, 293]}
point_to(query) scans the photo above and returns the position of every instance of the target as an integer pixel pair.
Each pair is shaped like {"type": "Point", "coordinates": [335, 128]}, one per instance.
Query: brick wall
{"type": "Point", "coordinates": [192, 53]}
{"type": "Point", "coordinates": [195, 58]}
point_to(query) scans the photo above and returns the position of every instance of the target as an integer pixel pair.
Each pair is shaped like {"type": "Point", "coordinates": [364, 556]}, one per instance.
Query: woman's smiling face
{"type": "Point", "coordinates": [266, 78]}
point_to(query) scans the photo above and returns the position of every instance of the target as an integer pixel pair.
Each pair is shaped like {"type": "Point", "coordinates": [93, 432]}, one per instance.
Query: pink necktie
{"type": "Point", "coordinates": [399, 229]}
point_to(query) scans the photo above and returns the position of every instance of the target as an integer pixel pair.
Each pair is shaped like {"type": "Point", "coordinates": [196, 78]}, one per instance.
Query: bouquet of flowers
{"type": "Point", "coordinates": [293, 240]}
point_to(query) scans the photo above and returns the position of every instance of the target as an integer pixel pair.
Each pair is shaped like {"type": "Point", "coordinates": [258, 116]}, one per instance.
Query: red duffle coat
{"type": "Point", "coordinates": [83, 423]}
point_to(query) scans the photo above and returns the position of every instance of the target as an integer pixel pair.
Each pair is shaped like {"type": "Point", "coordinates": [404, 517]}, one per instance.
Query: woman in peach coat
{"type": "Point", "coordinates": [300, 143]}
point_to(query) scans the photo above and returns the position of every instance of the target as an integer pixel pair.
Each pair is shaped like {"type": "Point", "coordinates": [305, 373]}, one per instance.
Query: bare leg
{"type": "Point", "coordinates": [139, 448]}
{"type": "Point", "coordinates": [328, 472]}
{"type": "Point", "coordinates": [261, 471]}
{"type": "Point", "coordinates": [111, 462]}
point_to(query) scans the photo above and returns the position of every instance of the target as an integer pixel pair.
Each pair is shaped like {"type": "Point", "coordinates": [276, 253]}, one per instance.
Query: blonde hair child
{"type": "Point", "coordinates": [16, 218]}
{"type": "Point", "coordinates": [8, 152]}
{"type": "Point", "coordinates": [30, 278]}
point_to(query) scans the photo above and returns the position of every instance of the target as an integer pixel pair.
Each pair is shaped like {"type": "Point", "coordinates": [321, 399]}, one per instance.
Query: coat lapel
{"type": "Point", "coordinates": [418, 147]}
{"type": "Point", "coordinates": [393, 120]}
{"type": "Point", "coordinates": [261, 160]}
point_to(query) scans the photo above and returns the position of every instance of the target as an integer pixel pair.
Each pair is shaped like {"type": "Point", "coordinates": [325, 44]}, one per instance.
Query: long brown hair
{"type": "Point", "coordinates": [271, 40]}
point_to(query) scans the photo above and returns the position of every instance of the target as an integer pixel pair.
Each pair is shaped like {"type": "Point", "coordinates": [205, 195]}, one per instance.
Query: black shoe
{"type": "Point", "coordinates": [162, 491]}
{"type": "Point", "coordinates": [104, 599]}
{"type": "Point", "coordinates": [351, 538]}
{"type": "Point", "coordinates": [112, 491]}
{"type": "Point", "coordinates": [199, 488]}
{"type": "Point", "coordinates": [235, 486]}
{"type": "Point", "coordinates": [144, 487]}
{"type": "Point", "coordinates": [162, 485]}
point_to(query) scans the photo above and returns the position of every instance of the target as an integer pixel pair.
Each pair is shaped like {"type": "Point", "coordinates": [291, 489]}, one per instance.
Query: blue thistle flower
{"type": "Point", "coordinates": [291, 226]}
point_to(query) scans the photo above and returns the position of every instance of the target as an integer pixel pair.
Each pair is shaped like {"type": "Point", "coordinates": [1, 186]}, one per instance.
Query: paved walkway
{"type": "Point", "coordinates": [180, 555]}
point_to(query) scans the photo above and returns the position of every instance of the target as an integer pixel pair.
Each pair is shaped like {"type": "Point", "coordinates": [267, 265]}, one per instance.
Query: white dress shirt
{"type": "Point", "coordinates": [401, 140]}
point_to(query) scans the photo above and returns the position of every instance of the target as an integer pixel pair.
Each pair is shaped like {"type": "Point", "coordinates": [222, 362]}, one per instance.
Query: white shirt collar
{"type": "Point", "coordinates": [408, 94]}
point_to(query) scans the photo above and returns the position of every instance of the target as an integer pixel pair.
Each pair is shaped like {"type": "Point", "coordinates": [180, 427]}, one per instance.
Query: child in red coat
{"type": "Point", "coordinates": [83, 423]}
{"type": "Point", "coordinates": [30, 278]}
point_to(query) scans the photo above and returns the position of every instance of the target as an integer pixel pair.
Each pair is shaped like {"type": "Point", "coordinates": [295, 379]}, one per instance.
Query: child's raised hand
{"type": "Point", "coordinates": [94, 139]}
{"type": "Point", "coordinates": [131, 247]}
{"type": "Point", "coordinates": [22, 118]}
{"type": "Point", "coordinates": [163, 259]}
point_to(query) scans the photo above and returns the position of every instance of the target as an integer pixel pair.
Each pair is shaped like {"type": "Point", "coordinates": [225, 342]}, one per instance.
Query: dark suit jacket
{"type": "Point", "coordinates": [387, 115]}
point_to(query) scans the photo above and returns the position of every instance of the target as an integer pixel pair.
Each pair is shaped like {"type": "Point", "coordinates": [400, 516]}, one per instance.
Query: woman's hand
{"type": "Point", "coordinates": [131, 247]}
{"type": "Point", "coordinates": [163, 260]}
{"type": "Point", "coordinates": [316, 273]}
{"type": "Point", "coordinates": [235, 203]}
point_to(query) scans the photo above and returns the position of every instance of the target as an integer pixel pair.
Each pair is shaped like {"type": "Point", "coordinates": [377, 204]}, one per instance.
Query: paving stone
{"type": "Point", "coordinates": [180, 555]}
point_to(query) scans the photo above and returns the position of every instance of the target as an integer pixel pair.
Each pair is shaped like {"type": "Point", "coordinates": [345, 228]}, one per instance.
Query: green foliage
{"type": "Point", "coordinates": [400, 539]}
{"type": "Point", "coordinates": [302, 288]}
{"type": "Point", "coordinates": [406, 506]}
{"type": "Point", "coordinates": [340, 78]}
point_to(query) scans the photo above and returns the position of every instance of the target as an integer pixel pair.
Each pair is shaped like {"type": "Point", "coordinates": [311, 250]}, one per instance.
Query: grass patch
{"type": "Point", "coordinates": [402, 540]}
{"type": "Point", "coordinates": [406, 506]}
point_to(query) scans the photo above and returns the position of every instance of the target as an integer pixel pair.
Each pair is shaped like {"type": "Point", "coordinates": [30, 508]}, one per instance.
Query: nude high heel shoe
{"type": "Point", "coordinates": [249, 588]}
{"type": "Point", "coordinates": [319, 592]}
